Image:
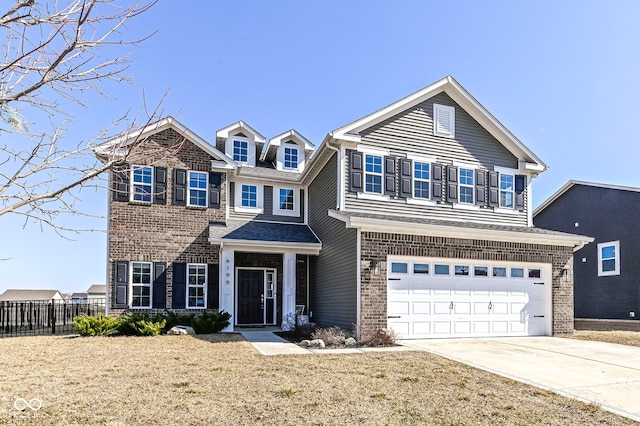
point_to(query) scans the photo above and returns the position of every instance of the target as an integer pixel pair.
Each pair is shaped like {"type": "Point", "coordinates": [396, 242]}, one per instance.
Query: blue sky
{"type": "Point", "coordinates": [562, 76]}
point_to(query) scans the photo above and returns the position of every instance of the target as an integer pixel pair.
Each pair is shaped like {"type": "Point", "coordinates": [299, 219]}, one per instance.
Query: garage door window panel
{"type": "Point", "coordinates": [421, 268]}
{"type": "Point", "coordinates": [461, 270]}
{"type": "Point", "coordinates": [440, 269]}
{"type": "Point", "coordinates": [480, 271]}
{"type": "Point", "coordinates": [517, 273]}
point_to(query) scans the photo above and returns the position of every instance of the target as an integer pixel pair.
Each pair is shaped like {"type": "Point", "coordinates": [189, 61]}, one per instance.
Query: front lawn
{"type": "Point", "coordinates": [220, 379]}
{"type": "Point", "coordinates": [629, 338]}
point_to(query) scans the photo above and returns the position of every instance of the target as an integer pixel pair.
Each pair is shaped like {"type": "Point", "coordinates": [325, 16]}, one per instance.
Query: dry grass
{"type": "Point", "coordinates": [629, 338]}
{"type": "Point", "coordinates": [180, 380]}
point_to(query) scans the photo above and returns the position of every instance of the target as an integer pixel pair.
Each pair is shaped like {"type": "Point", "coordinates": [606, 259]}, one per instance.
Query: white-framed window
{"type": "Point", "coordinates": [609, 258]}
{"type": "Point", "coordinates": [197, 183]}
{"type": "Point", "coordinates": [444, 119]}
{"type": "Point", "coordinates": [286, 201]}
{"type": "Point", "coordinates": [466, 186]}
{"type": "Point", "coordinates": [240, 151]}
{"type": "Point", "coordinates": [248, 197]}
{"type": "Point", "coordinates": [140, 284]}
{"type": "Point", "coordinates": [141, 184]}
{"type": "Point", "coordinates": [421, 179]}
{"type": "Point", "coordinates": [373, 174]}
{"type": "Point", "coordinates": [290, 157]}
{"type": "Point", "coordinates": [507, 185]}
{"type": "Point", "coordinates": [196, 285]}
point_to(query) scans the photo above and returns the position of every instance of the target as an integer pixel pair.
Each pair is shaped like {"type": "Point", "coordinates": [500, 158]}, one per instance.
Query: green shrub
{"type": "Point", "coordinates": [141, 325]}
{"type": "Point", "coordinates": [210, 322]}
{"type": "Point", "coordinates": [101, 325]}
{"type": "Point", "coordinates": [174, 319]}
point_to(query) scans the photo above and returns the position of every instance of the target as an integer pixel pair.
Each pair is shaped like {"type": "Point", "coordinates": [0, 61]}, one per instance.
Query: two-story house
{"type": "Point", "coordinates": [416, 217]}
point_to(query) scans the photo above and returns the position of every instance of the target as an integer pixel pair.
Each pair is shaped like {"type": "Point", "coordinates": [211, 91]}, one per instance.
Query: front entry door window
{"type": "Point", "coordinates": [256, 296]}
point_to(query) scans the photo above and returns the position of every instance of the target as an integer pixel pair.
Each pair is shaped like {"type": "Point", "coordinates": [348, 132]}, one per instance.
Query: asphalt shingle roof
{"type": "Point", "coordinates": [263, 231]}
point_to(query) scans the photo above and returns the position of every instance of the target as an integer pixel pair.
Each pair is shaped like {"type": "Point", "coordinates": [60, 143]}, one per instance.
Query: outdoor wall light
{"type": "Point", "coordinates": [374, 266]}
{"type": "Point", "coordinates": [565, 275]}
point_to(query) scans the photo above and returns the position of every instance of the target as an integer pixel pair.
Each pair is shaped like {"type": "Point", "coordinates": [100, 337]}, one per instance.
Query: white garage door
{"type": "Point", "coordinates": [435, 298]}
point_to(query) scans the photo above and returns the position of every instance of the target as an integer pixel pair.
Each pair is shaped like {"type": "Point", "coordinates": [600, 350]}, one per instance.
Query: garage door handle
{"type": "Point", "coordinates": [394, 316]}
{"type": "Point", "coordinates": [538, 316]}
{"type": "Point", "coordinates": [394, 279]}
{"type": "Point", "coordinates": [451, 306]}
{"type": "Point", "coordinates": [538, 283]}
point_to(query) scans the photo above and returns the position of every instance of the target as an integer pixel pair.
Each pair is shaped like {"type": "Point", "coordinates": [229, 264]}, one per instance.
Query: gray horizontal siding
{"type": "Point", "coordinates": [334, 272]}
{"type": "Point", "coordinates": [412, 132]}
{"type": "Point", "coordinates": [267, 214]}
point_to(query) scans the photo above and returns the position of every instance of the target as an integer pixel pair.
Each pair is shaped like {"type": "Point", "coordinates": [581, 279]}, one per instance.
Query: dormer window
{"type": "Point", "coordinates": [290, 157]}
{"type": "Point", "coordinates": [240, 151]}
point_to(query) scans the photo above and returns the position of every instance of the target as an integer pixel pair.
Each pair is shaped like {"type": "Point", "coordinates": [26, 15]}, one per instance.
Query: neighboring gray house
{"type": "Point", "coordinates": [30, 295]}
{"type": "Point", "coordinates": [606, 272]}
{"type": "Point", "coordinates": [416, 217]}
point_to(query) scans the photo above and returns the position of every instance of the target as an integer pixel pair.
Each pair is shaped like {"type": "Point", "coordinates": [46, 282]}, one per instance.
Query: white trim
{"type": "Point", "coordinates": [251, 150]}
{"type": "Point", "coordinates": [288, 287]}
{"type": "Point", "coordinates": [227, 283]}
{"type": "Point", "coordinates": [381, 152]}
{"type": "Point", "coordinates": [237, 196]}
{"type": "Point", "coordinates": [461, 97]}
{"type": "Point", "coordinates": [422, 158]}
{"type": "Point", "coordinates": [206, 189]}
{"type": "Point", "coordinates": [358, 279]}
{"type": "Point", "coordinates": [466, 206]}
{"type": "Point", "coordinates": [131, 285]}
{"type": "Point", "coordinates": [372, 196]}
{"type": "Point", "coordinates": [341, 164]}
{"type": "Point", "coordinates": [444, 131]}
{"type": "Point", "coordinates": [421, 201]}
{"type": "Point", "coordinates": [268, 246]}
{"type": "Point", "coordinates": [277, 211]}
{"type": "Point", "coordinates": [204, 286]}
{"type": "Point", "coordinates": [241, 127]}
{"type": "Point", "coordinates": [380, 225]}
{"type": "Point", "coordinates": [616, 246]}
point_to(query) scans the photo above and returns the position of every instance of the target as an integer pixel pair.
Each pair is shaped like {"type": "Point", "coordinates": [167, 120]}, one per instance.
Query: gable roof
{"type": "Point", "coordinates": [451, 87]}
{"type": "Point", "coordinates": [567, 186]}
{"type": "Point", "coordinates": [269, 151]}
{"type": "Point", "coordinates": [106, 149]}
{"type": "Point", "coordinates": [21, 294]}
{"type": "Point", "coordinates": [240, 126]}
{"type": "Point", "coordinates": [97, 288]}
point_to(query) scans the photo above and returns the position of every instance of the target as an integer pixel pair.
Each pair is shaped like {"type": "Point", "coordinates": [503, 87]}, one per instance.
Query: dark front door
{"type": "Point", "coordinates": [250, 296]}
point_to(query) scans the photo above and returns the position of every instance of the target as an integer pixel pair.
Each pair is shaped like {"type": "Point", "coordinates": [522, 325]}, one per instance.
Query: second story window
{"type": "Point", "coordinates": [142, 184]}
{"type": "Point", "coordinates": [240, 151]}
{"type": "Point", "coordinates": [287, 199]}
{"type": "Point", "coordinates": [466, 186]}
{"type": "Point", "coordinates": [290, 158]}
{"type": "Point", "coordinates": [249, 196]}
{"type": "Point", "coordinates": [197, 189]}
{"type": "Point", "coordinates": [506, 190]}
{"type": "Point", "coordinates": [420, 180]}
{"type": "Point", "coordinates": [373, 174]}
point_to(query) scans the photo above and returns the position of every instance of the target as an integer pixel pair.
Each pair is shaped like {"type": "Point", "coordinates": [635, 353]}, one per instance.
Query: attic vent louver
{"type": "Point", "coordinates": [444, 121]}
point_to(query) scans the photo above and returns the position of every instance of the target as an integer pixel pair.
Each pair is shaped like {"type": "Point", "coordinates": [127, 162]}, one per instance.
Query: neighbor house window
{"type": "Point", "coordinates": [140, 285]}
{"type": "Point", "coordinates": [142, 183]}
{"type": "Point", "coordinates": [198, 189]}
{"type": "Point", "coordinates": [609, 258]}
{"type": "Point", "coordinates": [506, 190]}
{"type": "Point", "coordinates": [249, 196]}
{"type": "Point", "coordinates": [240, 151]}
{"type": "Point", "coordinates": [420, 179]}
{"type": "Point", "coordinates": [290, 158]}
{"type": "Point", "coordinates": [196, 284]}
{"type": "Point", "coordinates": [466, 186]}
{"type": "Point", "coordinates": [373, 174]}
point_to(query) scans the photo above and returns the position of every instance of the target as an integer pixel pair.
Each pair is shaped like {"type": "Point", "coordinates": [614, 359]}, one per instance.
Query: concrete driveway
{"type": "Point", "coordinates": [604, 373]}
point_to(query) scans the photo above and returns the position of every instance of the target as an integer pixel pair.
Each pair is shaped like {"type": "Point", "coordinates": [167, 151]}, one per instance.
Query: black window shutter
{"type": "Point", "coordinates": [520, 185]}
{"type": "Point", "coordinates": [355, 171]}
{"type": "Point", "coordinates": [436, 181]}
{"type": "Point", "coordinates": [494, 191]}
{"type": "Point", "coordinates": [213, 279]}
{"type": "Point", "coordinates": [215, 181]}
{"type": "Point", "coordinates": [120, 184]}
{"type": "Point", "coordinates": [390, 176]}
{"type": "Point", "coordinates": [179, 187]}
{"type": "Point", "coordinates": [179, 285]}
{"type": "Point", "coordinates": [452, 184]}
{"type": "Point", "coordinates": [481, 187]}
{"type": "Point", "coordinates": [121, 284]}
{"type": "Point", "coordinates": [406, 178]}
{"type": "Point", "coordinates": [159, 285]}
{"type": "Point", "coordinates": [160, 185]}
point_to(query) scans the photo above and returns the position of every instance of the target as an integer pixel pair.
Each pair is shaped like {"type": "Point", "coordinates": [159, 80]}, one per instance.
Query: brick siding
{"type": "Point", "coordinates": [377, 246]}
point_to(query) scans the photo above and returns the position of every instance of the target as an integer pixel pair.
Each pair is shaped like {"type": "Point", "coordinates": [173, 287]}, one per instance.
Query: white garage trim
{"type": "Point", "coordinates": [436, 298]}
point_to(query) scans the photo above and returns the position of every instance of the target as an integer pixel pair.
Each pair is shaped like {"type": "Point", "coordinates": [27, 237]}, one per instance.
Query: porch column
{"type": "Point", "coordinates": [289, 291]}
{"type": "Point", "coordinates": [227, 285]}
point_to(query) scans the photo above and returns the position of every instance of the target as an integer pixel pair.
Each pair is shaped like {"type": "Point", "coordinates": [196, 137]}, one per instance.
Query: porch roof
{"type": "Point", "coordinates": [264, 234]}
